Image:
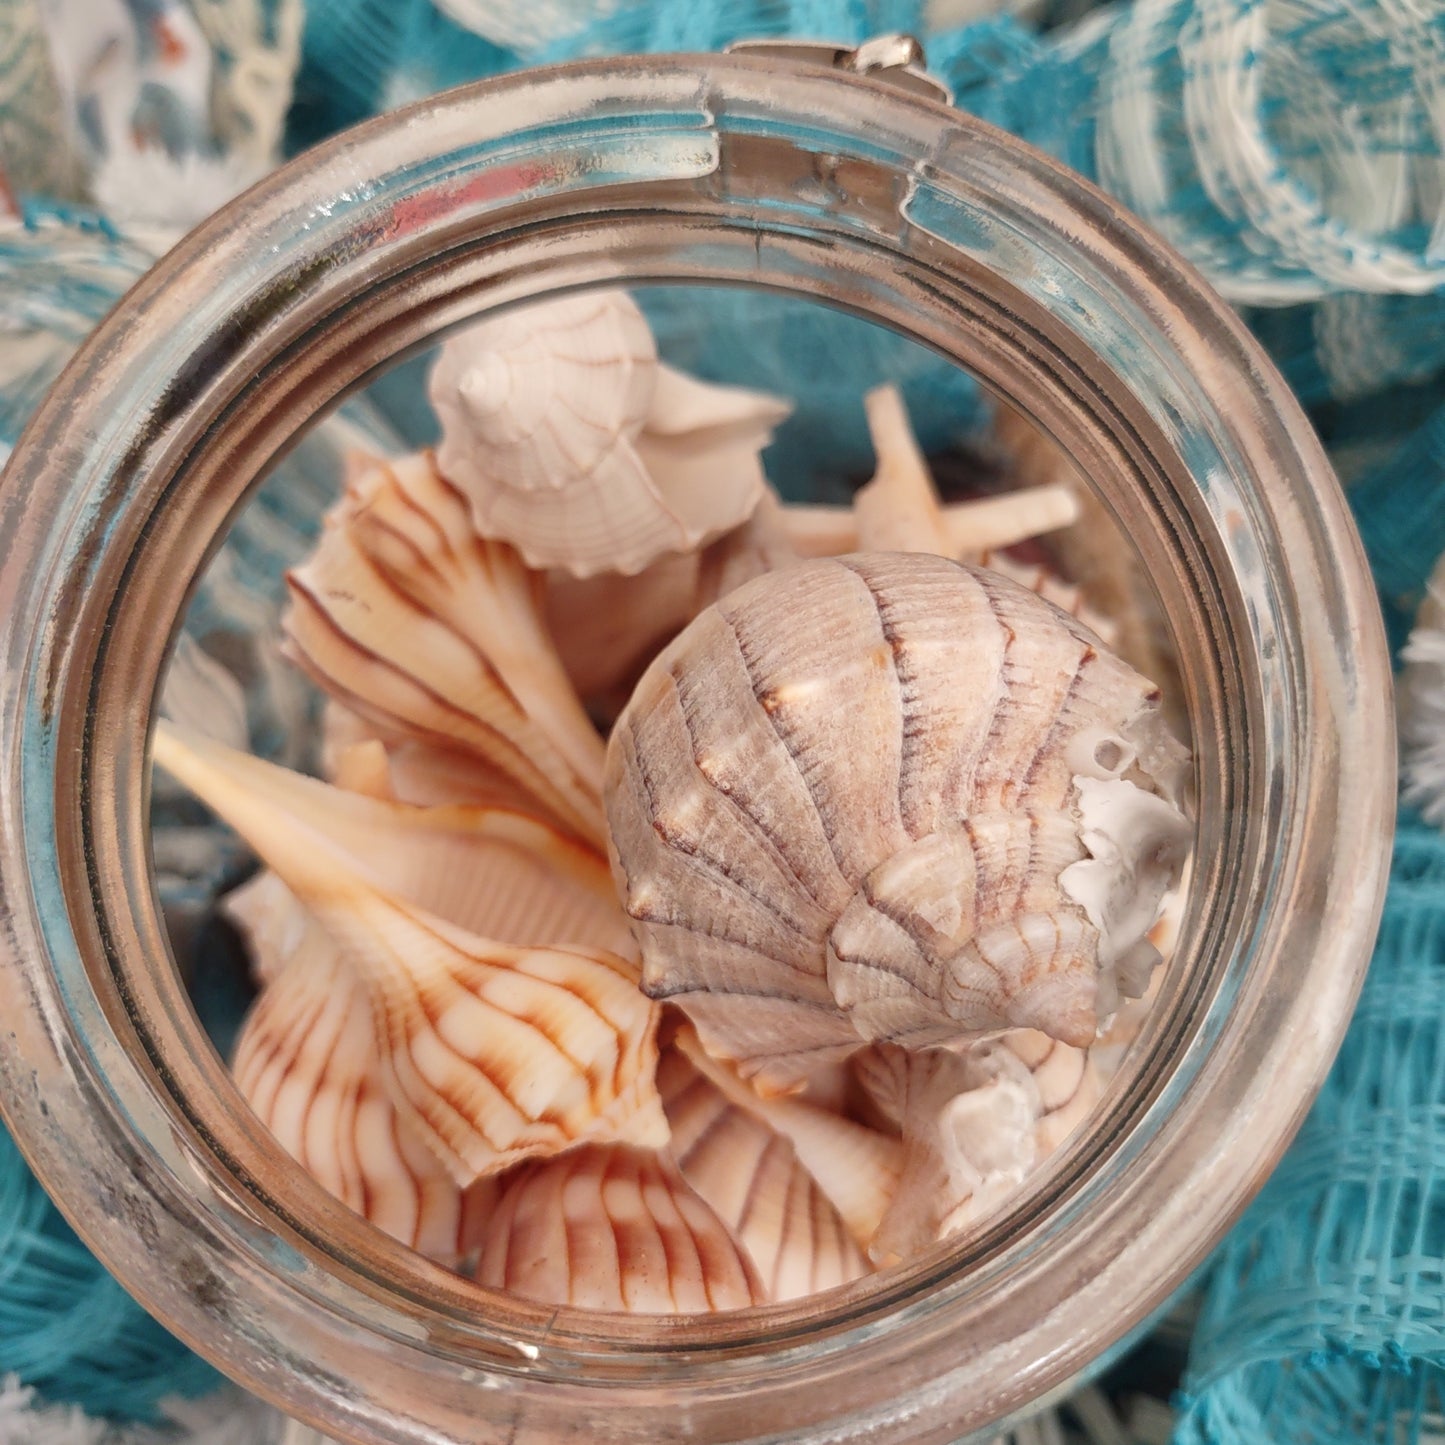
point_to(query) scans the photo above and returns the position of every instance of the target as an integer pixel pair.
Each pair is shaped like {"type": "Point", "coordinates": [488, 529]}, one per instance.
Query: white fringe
{"type": "Point", "coordinates": [227, 1417]}
{"type": "Point", "coordinates": [1420, 702]}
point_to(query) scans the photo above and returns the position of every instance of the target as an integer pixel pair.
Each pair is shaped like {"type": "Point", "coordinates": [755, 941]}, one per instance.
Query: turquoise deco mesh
{"type": "Point", "coordinates": [1292, 150]}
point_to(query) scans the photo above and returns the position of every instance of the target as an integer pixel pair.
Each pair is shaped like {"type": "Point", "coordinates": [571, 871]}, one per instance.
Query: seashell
{"type": "Point", "coordinates": [856, 1167]}
{"type": "Point", "coordinates": [1067, 1082]}
{"type": "Point", "coordinates": [1044, 582]}
{"type": "Point", "coordinates": [752, 1178]}
{"type": "Point", "coordinates": [488, 870]}
{"type": "Point", "coordinates": [899, 511]}
{"type": "Point", "coordinates": [574, 444]}
{"type": "Point", "coordinates": [969, 1123]}
{"type": "Point", "coordinates": [306, 1063]}
{"type": "Point", "coordinates": [491, 1052]}
{"type": "Point", "coordinates": [274, 925]}
{"type": "Point", "coordinates": [606, 1227]}
{"type": "Point", "coordinates": [431, 635]}
{"type": "Point", "coordinates": [890, 797]}
{"type": "Point", "coordinates": [609, 627]}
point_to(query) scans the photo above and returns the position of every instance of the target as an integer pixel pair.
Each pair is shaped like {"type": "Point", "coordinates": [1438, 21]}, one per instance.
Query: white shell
{"type": "Point", "coordinates": [411, 622]}
{"type": "Point", "coordinates": [490, 1052]}
{"type": "Point", "coordinates": [841, 803]}
{"type": "Point", "coordinates": [574, 444]}
{"type": "Point", "coordinates": [613, 1228]}
{"type": "Point", "coordinates": [974, 1124]}
{"type": "Point", "coordinates": [752, 1177]}
{"type": "Point", "coordinates": [306, 1062]}
{"type": "Point", "coordinates": [968, 1122]}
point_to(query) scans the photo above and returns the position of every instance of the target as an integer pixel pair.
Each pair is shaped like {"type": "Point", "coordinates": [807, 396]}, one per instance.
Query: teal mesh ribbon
{"type": "Point", "coordinates": [1325, 1315]}
{"type": "Point", "coordinates": [1291, 151]}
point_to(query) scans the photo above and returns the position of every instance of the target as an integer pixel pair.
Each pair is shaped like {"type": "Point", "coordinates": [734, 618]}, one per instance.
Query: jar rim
{"type": "Point", "coordinates": [674, 168]}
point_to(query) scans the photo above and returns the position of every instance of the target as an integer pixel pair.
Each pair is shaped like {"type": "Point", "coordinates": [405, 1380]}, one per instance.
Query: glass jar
{"type": "Point", "coordinates": [743, 169]}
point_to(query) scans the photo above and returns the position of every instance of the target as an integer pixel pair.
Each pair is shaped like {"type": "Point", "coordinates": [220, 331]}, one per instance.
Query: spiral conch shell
{"type": "Point", "coordinates": [306, 1063]}
{"type": "Point", "coordinates": [574, 444]}
{"type": "Point", "coordinates": [490, 1052]}
{"type": "Point", "coordinates": [430, 634]}
{"type": "Point", "coordinates": [890, 797]}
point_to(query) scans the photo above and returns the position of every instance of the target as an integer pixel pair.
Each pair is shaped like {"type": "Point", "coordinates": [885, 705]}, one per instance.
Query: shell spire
{"type": "Point", "coordinates": [576, 445]}
{"type": "Point", "coordinates": [890, 797]}
{"type": "Point", "coordinates": [491, 1052]}
{"type": "Point", "coordinates": [492, 871]}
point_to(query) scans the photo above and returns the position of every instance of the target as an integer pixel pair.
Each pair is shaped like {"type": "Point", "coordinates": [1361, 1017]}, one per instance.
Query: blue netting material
{"type": "Point", "coordinates": [1289, 148]}
{"type": "Point", "coordinates": [66, 1326]}
{"type": "Point", "coordinates": [1325, 1318]}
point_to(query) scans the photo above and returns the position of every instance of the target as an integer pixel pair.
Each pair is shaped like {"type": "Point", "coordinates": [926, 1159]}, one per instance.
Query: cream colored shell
{"type": "Point", "coordinates": [576, 446]}
{"type": "Point", "coordinates": [974, 1124]}
{"type": "Point", "coordinates": [846, 802]}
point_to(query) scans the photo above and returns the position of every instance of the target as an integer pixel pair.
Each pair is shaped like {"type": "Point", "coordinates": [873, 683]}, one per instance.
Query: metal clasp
{"type": "Point", "coordinates": [897, 60]}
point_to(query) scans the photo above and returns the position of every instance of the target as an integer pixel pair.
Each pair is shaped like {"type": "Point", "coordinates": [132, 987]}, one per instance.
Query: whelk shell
{"type": "Point", "coordinates": [577, 446]}
{"type": "Point", "coordinates": [606, 1227]}
{"type": "Point", "coordinates": [890, 797]}
{"type": "Point", "coordinates": [751, 1176]}
{"type": "Point", "coordinates": [491, 1052]}
{"type": "Point", "coordinates": [306, 1063]}
{"type": "Point", "coordinates": [432, 635]}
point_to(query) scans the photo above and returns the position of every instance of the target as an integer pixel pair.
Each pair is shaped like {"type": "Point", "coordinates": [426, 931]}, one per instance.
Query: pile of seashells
{"type": "Point", "coordinates": [710, 901]}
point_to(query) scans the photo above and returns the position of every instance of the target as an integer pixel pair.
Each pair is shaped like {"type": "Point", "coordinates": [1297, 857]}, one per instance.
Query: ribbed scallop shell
{"type": "Point", "coordinates": [844, 803]}
{"type": "Point", "coordinates": [752, 1178]}
{"type": "Point", "coordinates": [306, 1063]}
{"type": "Point", "coordinates": [605, 1227]}
{"type": "Point", "coordinates": [576, 446]}
{"type": "Point", "coordinates": [408, 619]}
{"type": "Point", "coordinates": [490, 1052]}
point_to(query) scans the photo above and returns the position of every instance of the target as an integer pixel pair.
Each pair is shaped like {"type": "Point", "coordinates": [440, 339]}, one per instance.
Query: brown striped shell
{"type": "Point", "coordinates": [434, 636]}
{"type": "Point", "coordinates": [890, 797]}
{"type": "Point", "coordinates": [490, 1052]}
{"type": "Point", "coordinates": [306, 1063]}
{"type": "Point", "coordinates": [751, 1176]}
{"type": "Point", "coordinates": [606, 1227]}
